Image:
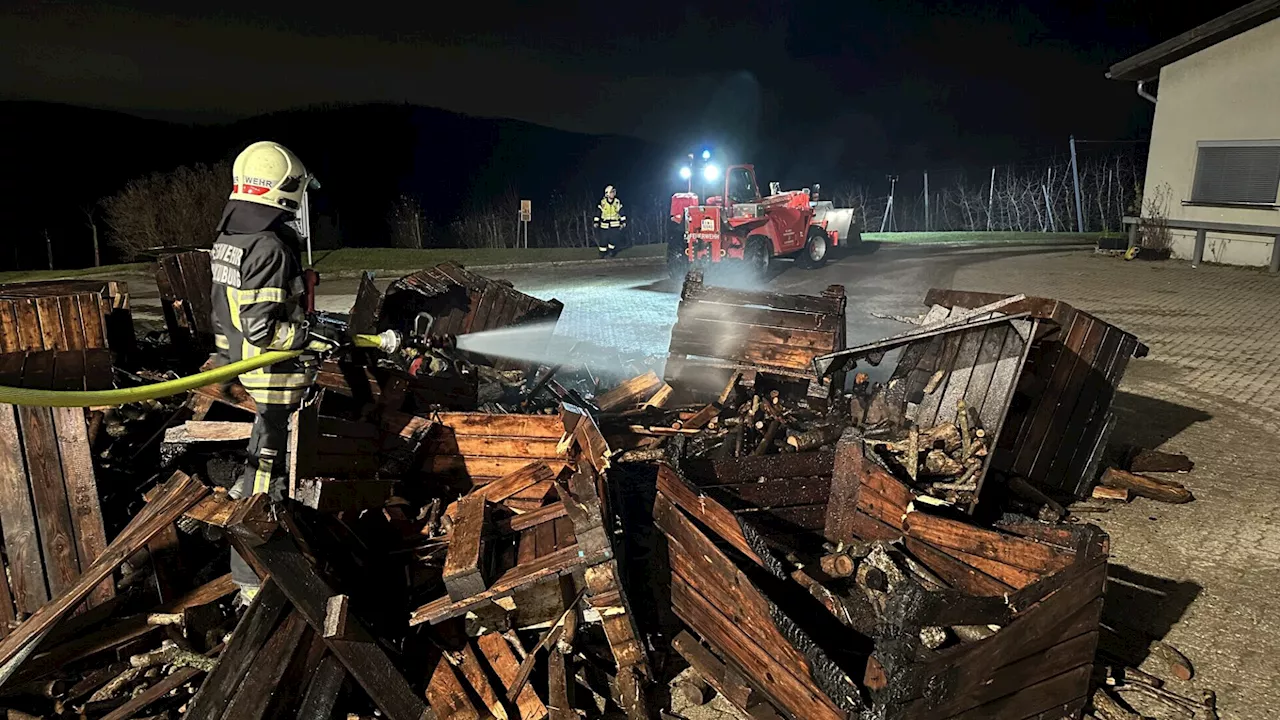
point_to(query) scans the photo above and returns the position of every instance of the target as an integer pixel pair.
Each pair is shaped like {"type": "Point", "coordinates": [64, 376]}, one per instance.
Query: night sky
{"type": "Point", "coordinates": [937, 82]}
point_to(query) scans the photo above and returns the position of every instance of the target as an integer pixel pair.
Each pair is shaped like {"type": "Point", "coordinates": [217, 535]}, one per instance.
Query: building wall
{"type": "Point", "coordinates": [1230, 91]}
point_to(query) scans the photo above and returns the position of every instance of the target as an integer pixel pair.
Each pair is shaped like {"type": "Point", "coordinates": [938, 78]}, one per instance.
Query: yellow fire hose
{"type": "Point", "coordinates": [120, 396]}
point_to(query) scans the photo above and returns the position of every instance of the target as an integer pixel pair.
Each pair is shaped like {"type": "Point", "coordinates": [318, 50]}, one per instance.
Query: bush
{"type": "Point", "coordinates": [176, 209]}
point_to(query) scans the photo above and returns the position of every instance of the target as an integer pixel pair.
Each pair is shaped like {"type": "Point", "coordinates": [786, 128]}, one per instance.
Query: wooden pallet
{"type": "Point", "coordinates": [1059, 424]}
{"type": "Point", "coordinates": [720, 331]}
{"type": "Point", "coordinates": [65, 315]}
{"type": "Point", "coordinates": [809, 649]}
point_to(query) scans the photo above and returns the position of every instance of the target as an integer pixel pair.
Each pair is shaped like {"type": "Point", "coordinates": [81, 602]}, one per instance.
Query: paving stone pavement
{"type": "Point", "coordinates": [1210, 388]}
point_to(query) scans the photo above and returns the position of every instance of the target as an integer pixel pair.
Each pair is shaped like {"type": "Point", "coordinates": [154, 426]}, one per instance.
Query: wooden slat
{"type": "Point", "coordinates": [481, 469]}
{"type": "Point", "coordinates": [931, 406]}
{"type": "Point", "coordinates": [800, 698]}
{"type": "Point", "coordinates": [706, 511]}
{"type": "Point", "coordinates": [18, 519]}
{"type": "Point", "coordinates": [10, 338]}
{"type": "Point", "coordinates": [786, 492]}
{"type": "Point", "coordinates": [252, 633]}
{"type": "Point", "coordinates": [781, 356]}
{"type": "Point", "coordinates": [72, 325]}
{"type": "Point", "coordinates": [363, 657]}
{"type": "Point", "coordinates": [528, 426]}
{"type": "Point", "coordinates": [50, 316]}
{"type": "Point", "coordinates": [463, 566]}
{"type": "Point", "coordinates": [1044, 695]}
{"type": "Point", "coordinates": [1059, 360]}
{"type": "Point", "coordinates": [729, 331]}
{"type": "Point", "coordinates": [28, 324]}
{"type": "Point", "coordinates": [1096, 391]}
{"type": "Point", "coordinates": [955, 573]}
{"type": "Point", "coordinates": [1073, 394]}
{"type": "Point", "coordinates": [92, 321]}
{"type": "Point", "coordinates": [1093, 441]}
{"type": "Point", "coordinates": [552, 565]}
{"type": "Point", "coordinates": [504, 663]}
{"type": "Point", "coordinates": [1008, 549]}
{"type": "Point", "coordinates": [82, 493]}
{"type": "Point", "coordinates": [820, 322]}
{"type": "Point", "coordinates": [509, 485]}
{"type": "Point", "coordinates": [984, 368]}
{"type": "Point", "coordinates": [775, 301]}
{"type": "Point", "coordinates": [49, 496]}
{"type": "Point", "coordinates": [473, 671]}
{"type": "Point", "coordinates": [322, 691]}
{"type": "Point", "coordinates": [957, 384]}
{"type": "Point", "coordinates": [446, 696]}
{"type": "Point", "coordinates": [168, 503]}
{"type": "Point", "coordinates": [255, 692]}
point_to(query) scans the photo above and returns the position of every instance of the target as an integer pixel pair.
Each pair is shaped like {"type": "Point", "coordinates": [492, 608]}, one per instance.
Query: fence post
{"type": "Point", "coordinates": [1075, 174]}
{"type": "Point", "coordinates": [991, 199]}
{"type": "Point", "coordinates": [926, 202]}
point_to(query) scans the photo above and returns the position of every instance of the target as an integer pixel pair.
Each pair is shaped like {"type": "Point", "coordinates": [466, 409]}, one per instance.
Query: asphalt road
{"type": "Point", "coordinates": [632, 308]}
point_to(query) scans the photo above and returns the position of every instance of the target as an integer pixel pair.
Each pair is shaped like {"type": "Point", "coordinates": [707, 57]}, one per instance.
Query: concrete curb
{"type": "Point", "coordinates": [985, 246]}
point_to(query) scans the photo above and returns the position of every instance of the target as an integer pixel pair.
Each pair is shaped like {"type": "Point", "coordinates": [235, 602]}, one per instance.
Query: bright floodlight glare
{"type": "Point", "coordinates": [706, 154]}
{"type": "Point", "coordinates": [710, 172]}
{"type": "Point", "coordinates": [685, 173]}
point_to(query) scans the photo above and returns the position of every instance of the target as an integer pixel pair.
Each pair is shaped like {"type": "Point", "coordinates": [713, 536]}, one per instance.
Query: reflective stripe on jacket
{"type": "Point", "coordinates": [257, 306]}
{"type": "Point", "coordinates": [610, 214]}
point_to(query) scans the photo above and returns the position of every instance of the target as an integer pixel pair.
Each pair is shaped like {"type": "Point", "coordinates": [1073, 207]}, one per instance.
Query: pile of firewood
{"type": "Point", "coordinates": [943, 461]}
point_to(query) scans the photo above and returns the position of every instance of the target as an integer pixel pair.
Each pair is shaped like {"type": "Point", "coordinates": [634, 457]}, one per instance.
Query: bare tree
{"type": "Point", "coordinates": [408, 224]}
{"type": "Point", "coordinates": [176, 209]}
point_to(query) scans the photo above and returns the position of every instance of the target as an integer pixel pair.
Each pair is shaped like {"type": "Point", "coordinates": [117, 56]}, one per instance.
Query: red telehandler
{"type": "Point", "coordinates": [740, 226]}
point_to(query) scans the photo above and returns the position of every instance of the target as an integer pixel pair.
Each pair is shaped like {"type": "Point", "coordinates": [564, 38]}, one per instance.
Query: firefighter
{"type": "Point", "coordinates": [258, 291]}
{"type": "Point", "coordinates": [610, 223]}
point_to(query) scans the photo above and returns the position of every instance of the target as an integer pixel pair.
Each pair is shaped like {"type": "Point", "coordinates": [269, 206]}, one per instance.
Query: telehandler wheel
{"type": "Point", "coordinates": [758, 255]}
{"type": "Point", "coordinates": [816, 248]}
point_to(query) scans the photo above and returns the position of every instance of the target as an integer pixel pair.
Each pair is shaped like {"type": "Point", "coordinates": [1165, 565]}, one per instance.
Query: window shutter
{"type": "Point", "coordinates": [1237, 174]}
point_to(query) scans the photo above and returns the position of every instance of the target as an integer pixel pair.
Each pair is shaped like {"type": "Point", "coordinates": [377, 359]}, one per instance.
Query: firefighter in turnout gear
{"type": "Point", "coordinates": [610, 224]}
{"type": "Point", "coordinates": [258, 305]}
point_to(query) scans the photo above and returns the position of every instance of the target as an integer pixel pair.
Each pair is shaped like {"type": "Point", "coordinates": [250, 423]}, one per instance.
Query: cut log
{"type": "Point", "coordinates": [1148, 487]}
{"type": "Point", "coordinates": [815, 438]}
{"type": "Point", "coordinates": [1142, 460]}
{"type": "Point", "coordinates": [1102, 492]}
{"type": "Point", "coordinates": [939, 464]}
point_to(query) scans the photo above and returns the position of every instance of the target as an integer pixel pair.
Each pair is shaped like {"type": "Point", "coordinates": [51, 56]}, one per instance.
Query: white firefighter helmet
{"type": "Point", "coordinates": [270, 174]}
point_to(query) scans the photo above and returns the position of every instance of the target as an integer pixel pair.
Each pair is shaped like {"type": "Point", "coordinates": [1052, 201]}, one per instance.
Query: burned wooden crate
{"type": "Point", "coordinates": [66, 315]}
{"type": "Point", "coordinates": [876, 607]}
{"type": "Point", "coordinates": [940, 417]}
{"type": "Point", "coordinates": [719, 331]}
{"type": "Point", "coordinates": [459, 302]}
{"type": "Point", "coordinates": [344, 465]}
{"type": "Point", "coordinates": [357, 385]}
{"type": "Point", "coordinates": [474, 449]}
{"type": "Point", "coordinates": [1060, 417]}
{"type": "Point", "coordinates": [185, 282]}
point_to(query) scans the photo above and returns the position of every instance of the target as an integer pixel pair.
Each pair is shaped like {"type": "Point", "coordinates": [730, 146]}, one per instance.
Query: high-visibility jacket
{"type": "Point", "coordinates": [257, 300]}
{"type": "Point", "coordinates": [610, 214]}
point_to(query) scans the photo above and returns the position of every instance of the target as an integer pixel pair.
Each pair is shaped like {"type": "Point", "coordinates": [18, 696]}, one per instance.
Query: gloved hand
{"type": "Point", "coordinates": [322, 338]}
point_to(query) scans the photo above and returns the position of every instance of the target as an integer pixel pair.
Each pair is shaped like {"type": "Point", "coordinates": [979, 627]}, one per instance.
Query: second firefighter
{"type": "Point", "coordinates": [610, 224]}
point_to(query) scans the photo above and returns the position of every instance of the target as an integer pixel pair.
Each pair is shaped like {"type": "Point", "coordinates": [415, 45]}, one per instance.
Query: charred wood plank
{"type": "Point", "coordinates": [363, 657]}
{"type": "Point", "coordinates": [253, 632]}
